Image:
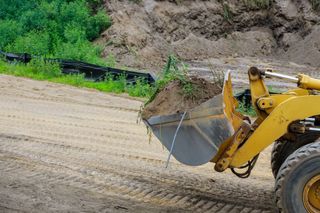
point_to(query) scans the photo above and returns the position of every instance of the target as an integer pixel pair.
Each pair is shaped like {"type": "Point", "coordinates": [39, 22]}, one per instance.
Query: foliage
{"type": "Point", "coordinates": [258, 4]}
{"type": "Point", "coordinates": [95, 4]}
{"type": "Point", "coordinates": [176, 70]}
{"type": "Point", "coordinates": [9, 29]}
{"type": "Point", "coordinates": [36, 69]}
{"type": "Point", "coordinates": [96, 24]}
{"type": "Point", "coordinates": [111, 60]}
{"type": "Point", "coordinates": [37, 43]}
{"type": "Point", "coordinates": [140, 89]}
{"type": "Point", "coordinates": [315, 4]}
{"type": "Point", "coordinates": [243, 109]}
{"type": "Point", "coordinates": [57, 28]}
{"type": "Point", "coordinates": [81, 50]}
{"type": "Point", "coordinates": [218, 76]}
{"type": "Point", "coordinates": [227, 14]}
{"type": "Point", "coordinates": [42, 70]}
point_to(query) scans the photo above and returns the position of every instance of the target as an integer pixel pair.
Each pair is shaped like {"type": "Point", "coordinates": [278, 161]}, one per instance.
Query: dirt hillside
{"type": "Point", "coordinates": [145, 32]}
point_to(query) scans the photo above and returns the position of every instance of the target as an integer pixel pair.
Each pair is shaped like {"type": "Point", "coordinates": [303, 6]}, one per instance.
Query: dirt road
{"type": "Point", "coordinates": [72, 150]}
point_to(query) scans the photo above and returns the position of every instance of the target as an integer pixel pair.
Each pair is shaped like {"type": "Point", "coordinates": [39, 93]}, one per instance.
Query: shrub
{"type": "Point", "coordinates": [80, 50]}
{"type": "Point", "coordinates": [74, 33]}
{"type": "Point", "coordinates": [9, 30]}
{"type": "Point", "coordinates": [75, 12]}
{"type": "Point", "coordinates": [33, 42]}
{"type": "Point", "coordinates": [57, 28]}
{"type": "Point", "coordinates": [97, 24]}
{"type": "Point", "coordinates": [33, 20]}
{"type": "Point", "coordinates": [14, 8]}
{"type": "Point", "coordinates": [95, 4]}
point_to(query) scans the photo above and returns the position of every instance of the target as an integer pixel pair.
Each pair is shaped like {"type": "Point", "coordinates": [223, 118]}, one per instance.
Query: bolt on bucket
{"type": "Point", "coordinates": [202, 131]}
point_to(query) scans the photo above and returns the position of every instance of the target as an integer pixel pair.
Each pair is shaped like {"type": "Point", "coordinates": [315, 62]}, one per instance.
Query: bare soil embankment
{"type": "Point", "coordinates": [145, 32]}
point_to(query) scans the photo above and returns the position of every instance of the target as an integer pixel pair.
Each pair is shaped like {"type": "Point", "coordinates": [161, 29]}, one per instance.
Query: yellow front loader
{"type": "Point", "coordinates": [216, 132]}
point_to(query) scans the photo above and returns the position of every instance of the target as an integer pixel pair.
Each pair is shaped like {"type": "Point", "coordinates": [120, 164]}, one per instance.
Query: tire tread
{"type": "Point", "coordinates": [290, 163]}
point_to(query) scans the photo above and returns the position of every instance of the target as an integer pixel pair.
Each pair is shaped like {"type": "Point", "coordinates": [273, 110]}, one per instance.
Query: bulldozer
{"type": "Point", "coordinates": [217, 132]}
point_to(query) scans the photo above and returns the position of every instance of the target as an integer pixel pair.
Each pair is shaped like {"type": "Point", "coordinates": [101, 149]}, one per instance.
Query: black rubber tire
{"type": "Point", "coordinates": [283, 148]}
{"type": "Point", "coordinates": [295, 172]}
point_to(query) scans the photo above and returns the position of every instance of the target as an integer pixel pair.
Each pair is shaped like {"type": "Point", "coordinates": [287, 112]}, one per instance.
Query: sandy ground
{"type": "Point", "coordinates": [64, 149]}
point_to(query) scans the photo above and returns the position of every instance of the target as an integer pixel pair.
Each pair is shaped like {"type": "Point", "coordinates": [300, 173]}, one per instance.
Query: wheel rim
{"type": "Point", "coordinates": [311, 195]}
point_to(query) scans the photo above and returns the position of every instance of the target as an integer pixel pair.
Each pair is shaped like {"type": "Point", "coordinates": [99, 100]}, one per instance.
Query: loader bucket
{"type": "Point", "coordinates": [202, 131]}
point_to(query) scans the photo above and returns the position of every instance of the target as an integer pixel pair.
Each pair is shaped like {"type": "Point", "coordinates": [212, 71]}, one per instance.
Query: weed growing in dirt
{"type": "Point", "coordinates": [174, 70]}
{"type": "Point", "coordinates": [140, 89]}
{"type": "Point", "coordinates": [227, 14]}
{"type": "Point", "coordinates": [217, 75]}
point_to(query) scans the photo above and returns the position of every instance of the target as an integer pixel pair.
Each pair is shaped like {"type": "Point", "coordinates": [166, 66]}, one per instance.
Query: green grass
{"type": "Point", "coordinates": [40, 70]}
{"type": "Point", "coordinates": [227, 13]}
{"type": "Point", "coordinates": [174, 70]}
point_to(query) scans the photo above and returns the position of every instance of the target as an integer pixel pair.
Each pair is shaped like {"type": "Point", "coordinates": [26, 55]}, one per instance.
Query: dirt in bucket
{"type": "Point", "coordinates": [174, 98]}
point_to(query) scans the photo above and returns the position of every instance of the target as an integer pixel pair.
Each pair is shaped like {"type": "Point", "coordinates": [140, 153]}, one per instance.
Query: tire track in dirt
{"type": "Point", "coordinates": [133, 189]}
{"type": "Point", "coordinates": [79, 142]}
{"type": "Point", "coordinates": [46, 150]}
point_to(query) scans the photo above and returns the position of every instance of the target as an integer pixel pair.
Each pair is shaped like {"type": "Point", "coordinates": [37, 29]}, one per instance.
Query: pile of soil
{"type": "Point", "coordinates": [171, 99]}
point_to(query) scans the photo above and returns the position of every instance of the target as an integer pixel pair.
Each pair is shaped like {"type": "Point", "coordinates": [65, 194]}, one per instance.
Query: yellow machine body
{"type": "Point", "coordinates": [275, 114]}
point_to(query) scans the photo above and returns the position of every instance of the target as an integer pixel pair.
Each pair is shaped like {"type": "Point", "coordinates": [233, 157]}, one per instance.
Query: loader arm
{"type": "Point", "coordinates": [276, 125]}
{"type": "Point", "coordinates": [275, 115]}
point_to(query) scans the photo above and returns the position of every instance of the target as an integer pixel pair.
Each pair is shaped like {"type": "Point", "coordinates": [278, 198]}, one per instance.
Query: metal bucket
{"type": "Point", "coordinates": [202, 131]}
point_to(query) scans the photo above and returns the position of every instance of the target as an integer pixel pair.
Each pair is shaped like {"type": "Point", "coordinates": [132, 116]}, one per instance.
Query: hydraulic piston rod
{"type": "Point", "coordinates": [303, 81]}
{"type": "Point", "coordinates": [278, 75]}
{"type": "Point", "coordinates": [313, 129]}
